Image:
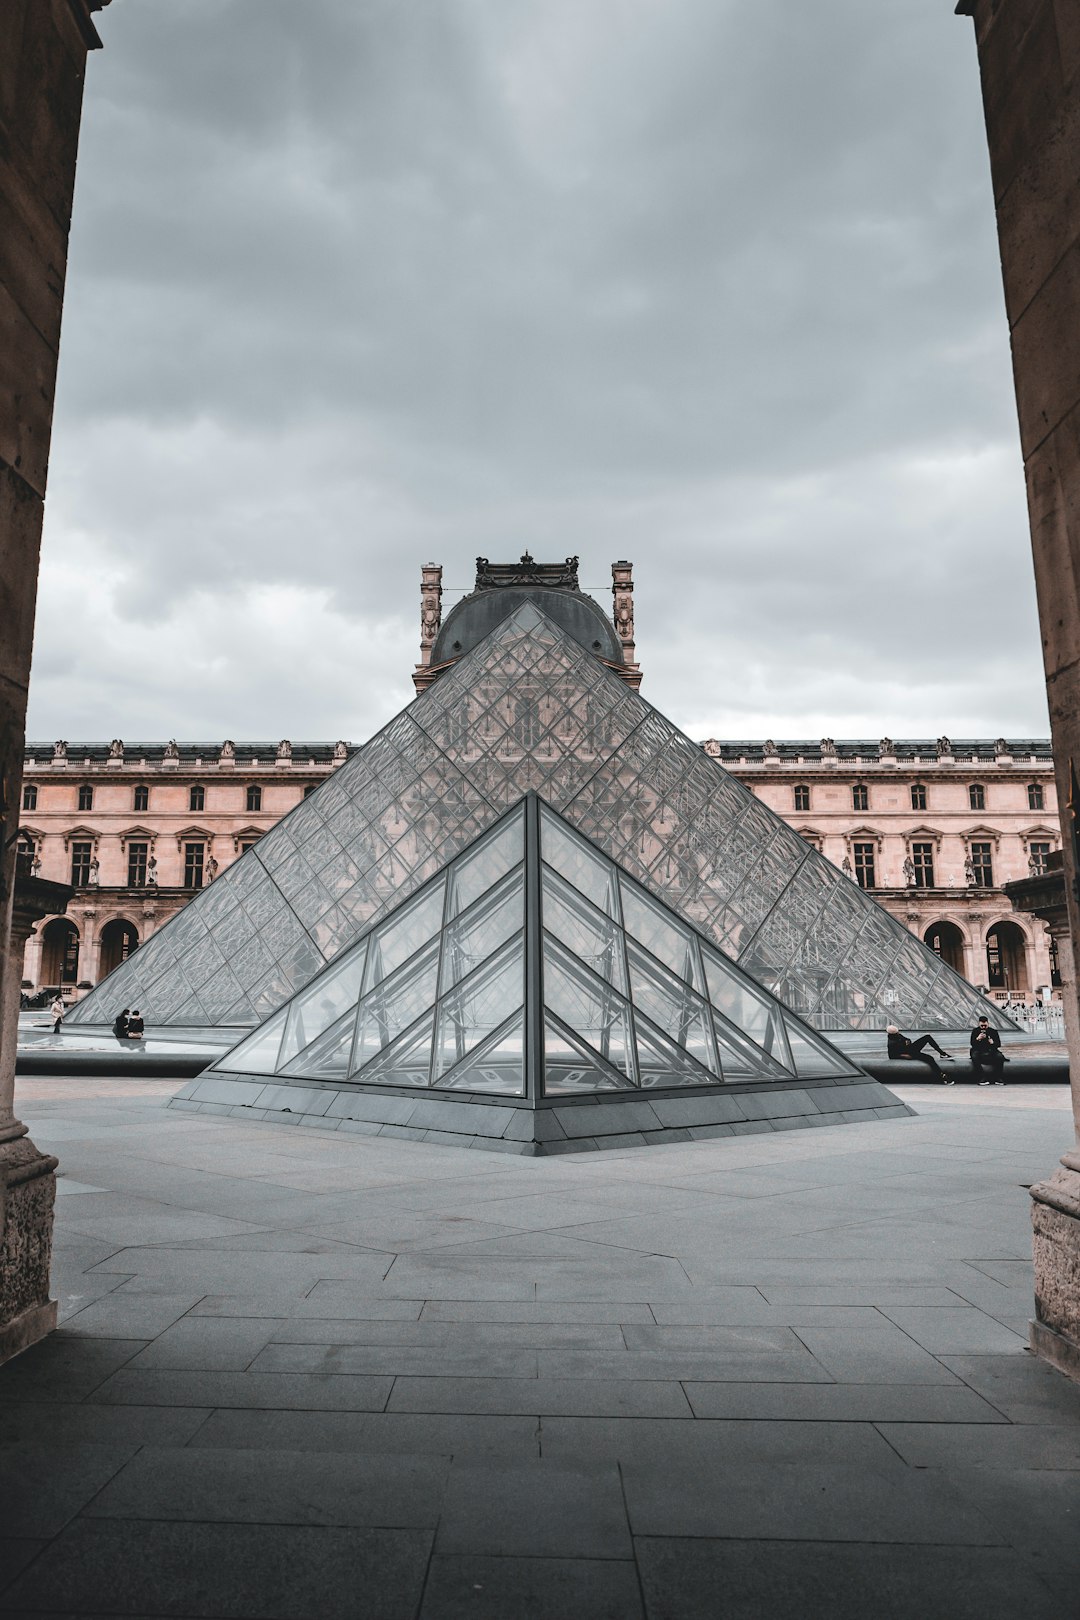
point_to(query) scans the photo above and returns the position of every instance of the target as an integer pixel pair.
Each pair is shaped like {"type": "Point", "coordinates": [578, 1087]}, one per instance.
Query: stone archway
{"type": "Point", "coordinates": [1006, 959]}
{"type": "Point", "coordinates": [59, 954]}
{"type": "Point", "coordinates": [118, 939]}
{"type": "Point", "coordinates": [946, 940]}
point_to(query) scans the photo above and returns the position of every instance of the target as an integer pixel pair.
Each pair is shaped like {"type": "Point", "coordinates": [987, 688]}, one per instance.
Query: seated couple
{"type": "Point", "coordinates": [128, 1025]}
{"type": "Point", "coordinates": [985, 1053]}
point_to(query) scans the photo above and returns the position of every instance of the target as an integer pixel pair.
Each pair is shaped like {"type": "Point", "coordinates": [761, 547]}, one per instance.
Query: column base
{"type": "Point", "coordinates": [27, 1194]}
{"type": "Point", "coordinates": [26, 1329]}
{"type": "Point", "coordinates": [1055, 1219]}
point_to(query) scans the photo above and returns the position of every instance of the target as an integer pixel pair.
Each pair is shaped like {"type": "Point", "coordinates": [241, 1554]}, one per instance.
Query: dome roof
{"type": "Point", "coordinates": [471, 619]}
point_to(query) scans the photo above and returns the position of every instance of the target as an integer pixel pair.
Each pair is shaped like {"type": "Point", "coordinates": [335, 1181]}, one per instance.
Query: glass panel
{"type": "Point", "coordinates": [480, 932]}
{"type": "Point", "coordinates": [568, 1069]}
{"type": "Point", "coordinates": [499, 1066]}
{"type": "Point", "coordinates": [659, 932]}
{"type": "Point", "coordinates": [743, 1005]}
{"type": "Point", "coordinates": [577, 863]}
{"type": "Point", "coordinates": [811, 1057]}
{"type": "Point", "coordinates": [662, 1063]}
{"type": "Point", "coordinates": [407, 1062]}
{"type": "Point", "coordinates": [395, 1005]}
{"type": "Point", "coordinates": [740, 1059]}
{"type": "Point", "coordinates": [323, 1002]}
{"type": "Point", "coordinates": [328, 1057]}
{"type": "Point", "coordinates": [476, 872]}
{"type": "Point", "coordinates": [587, 1006]}
{"type": "Point", "coordinates": [401, 937]}
{"type": "Point", "coordinates": [672, 1004]}
{"type": "Point", "coordinates": [472, 1011]}
{"type": "Point", "coordinates": [591, 935]}
{"type": "Point", "coordinates": [258, 1054]}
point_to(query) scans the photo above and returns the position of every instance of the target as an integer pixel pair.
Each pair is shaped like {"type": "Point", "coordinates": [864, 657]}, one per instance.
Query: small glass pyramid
{"type": "Point", "coordinates": [532, 966]}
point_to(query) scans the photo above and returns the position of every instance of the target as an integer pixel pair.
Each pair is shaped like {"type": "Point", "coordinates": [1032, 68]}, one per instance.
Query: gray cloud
{"type": "Point", "coordinates": [356, 285]}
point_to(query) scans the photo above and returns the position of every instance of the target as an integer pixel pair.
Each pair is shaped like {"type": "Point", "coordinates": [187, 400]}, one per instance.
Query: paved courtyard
{"type": "Point", "coordinates": [303, 1374]}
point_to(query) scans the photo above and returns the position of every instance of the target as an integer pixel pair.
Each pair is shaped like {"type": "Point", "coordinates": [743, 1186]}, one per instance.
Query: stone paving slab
{"type": "Point", "coordinates": [306, 1374]}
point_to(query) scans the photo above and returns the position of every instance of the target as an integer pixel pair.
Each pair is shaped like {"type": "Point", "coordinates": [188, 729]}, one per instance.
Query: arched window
{"type": "Point", "coordinates": [860, 796]}
{"type": "Point", "coordinates": [918, 795]}
{"type": "Point", "coordinates": [118, 940]}
{"type": "Point", "coordinates": [1006, 959]}
{"type": "Point", "coordinates": [29, 796]}
{"type": "Point", "coordinates": [1036, 796]}
{"type": "Point", "coordinates": [802, 796]}
{"type": "Point", "coordinates": [197, 798]}
{"type": "Point", "coordinates": [86, 797]}
{"type": "Point", "coordinates": [60, 954]}
{"type": "Point", "coordinates": [946, 941]}
{"type": "Point", "coordinates": [254, 797]}
{"type": "Point", "coordinates": [142, 797]}
{"type": "Point", "coordinates": [977, 796]}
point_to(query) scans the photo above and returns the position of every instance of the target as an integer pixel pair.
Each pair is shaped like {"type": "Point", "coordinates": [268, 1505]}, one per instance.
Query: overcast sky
{"type": "Point", "coordinates": [358, 284]}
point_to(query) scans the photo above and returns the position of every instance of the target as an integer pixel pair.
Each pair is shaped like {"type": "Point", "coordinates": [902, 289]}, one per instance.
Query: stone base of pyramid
{"type": "Point", "coordinates": [553, 1125]}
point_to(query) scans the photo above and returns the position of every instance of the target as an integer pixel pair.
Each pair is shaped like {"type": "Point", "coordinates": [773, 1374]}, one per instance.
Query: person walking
{"type": "Point", "coordinates": [986, 1053]}
{"type": "Point", "coordinates": [135, 1025]}
{"type": "Point", "coordinates": [57, 1012]}
{"type": "Point", "coordinates": [902, 1048]}
{"type": "Point", "coordinates": [120, 1024]}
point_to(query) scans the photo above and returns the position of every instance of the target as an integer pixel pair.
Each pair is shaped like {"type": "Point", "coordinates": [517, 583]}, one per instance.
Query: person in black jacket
{"type": "Point", "coordinates": [986, 1053]}
{"type": "Point", "coordinates": [120, 1024]}
{"type": "Point", "coordinates": [901, 1047]}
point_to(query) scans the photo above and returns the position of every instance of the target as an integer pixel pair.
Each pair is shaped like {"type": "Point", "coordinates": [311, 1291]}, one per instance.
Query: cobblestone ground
{"type": "Point", "coordinates": [302, 1375]}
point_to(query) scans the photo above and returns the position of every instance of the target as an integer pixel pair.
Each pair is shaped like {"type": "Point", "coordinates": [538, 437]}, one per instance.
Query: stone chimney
{"type": "Point", "coordinates": [430, 620]}
{"type": "Point", "coordinates": [622, 595]}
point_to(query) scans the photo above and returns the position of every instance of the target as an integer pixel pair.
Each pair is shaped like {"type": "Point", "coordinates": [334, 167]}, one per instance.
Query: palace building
{"type": "Point", "coordinates": [933, 830]}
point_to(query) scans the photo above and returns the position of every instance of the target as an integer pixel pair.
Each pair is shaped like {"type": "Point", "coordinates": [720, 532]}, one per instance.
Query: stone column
{"type": "Point", "coordinates": [27, 1181]}
{"type": "Point", "coordinates": [43, 46]}
{"type": "Point", "coordinates": [622, 612]}
{"type": "Point", "coordinates": [1029, 61]}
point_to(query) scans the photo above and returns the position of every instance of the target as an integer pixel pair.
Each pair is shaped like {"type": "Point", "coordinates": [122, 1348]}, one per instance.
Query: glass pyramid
{"type": "Point", "coordinates": [529, 709]}
{"type": "Point", "coordinates": [532, 966]}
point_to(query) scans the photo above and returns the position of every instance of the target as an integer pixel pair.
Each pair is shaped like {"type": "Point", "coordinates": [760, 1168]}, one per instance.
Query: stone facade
{"type": "Point", "coordinates": [934, 829]}
{"type": "Point", "coordinates": [83, 806]}
{"type": "Point", "coordinates": [137, 830]}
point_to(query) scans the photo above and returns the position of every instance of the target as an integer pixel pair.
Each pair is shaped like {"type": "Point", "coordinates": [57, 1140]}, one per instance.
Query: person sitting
{"type": "Point", "coordinates": [986, 1053]}
{"type": "Point", "coordinates": [135, 1025]}
{"type": "Point", "coordinates": [901, 1048]}
{"type": "Point", "coordinates": [120, 1024]}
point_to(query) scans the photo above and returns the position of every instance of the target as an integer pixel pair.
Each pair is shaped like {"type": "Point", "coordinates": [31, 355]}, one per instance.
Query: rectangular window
{"type": "Point", "coordinates": [864, 866]}
{"type": "Point", "coordinates": [977, 796]}
{"type": "Point", "coordinates": [860, 797]}
{"type": "Point", "coordinates": [25, 854]}
{"type": "Point", "coordinates": [802, 797]}
{"type": "Point", "coordinates": [1036, 797]}
{"type": "Point", "coordinates": [254, 797]}
{"type": "Point", "coordinates": [81, 855]}
{"type": "Point", "coordinates": [137, 855]}
{"type": "Point", "coordinates": [246, 844]}
{"type": "Point", "coordinates": [918, 795]}
{"type": "Point", "coordinates": [983, 866]}
{"type": "Point", "coordinates": [142, 797]}
{"type": "Point", "coordinates": [86, 797]}
{"type": "Point", "coordinates": [194, 861]}
{"type": "Point", "coordinates": [922, 857]}
{"type": "Point", "coordinates": [1037, 853]}
{"type": "Point", "coordinates": [29, 796]}
{"type": "Point", "coordinates": [309, 790]}
{"type": "Point", "coordinates": [197, 798]}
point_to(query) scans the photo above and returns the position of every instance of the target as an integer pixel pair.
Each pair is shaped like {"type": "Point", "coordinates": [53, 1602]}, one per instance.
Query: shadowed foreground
{"type": "Point", "coordinates": [304, 1375]}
